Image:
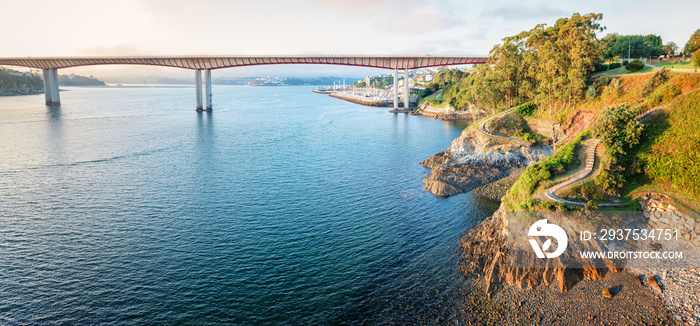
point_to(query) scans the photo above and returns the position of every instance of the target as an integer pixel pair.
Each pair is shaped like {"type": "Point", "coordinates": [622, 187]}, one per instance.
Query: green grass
{"type": "Point", "coordinates": [670, 149]}
{"type": "Point", "coordinates": [675, 65]}
{"type": "Point", "coordinates": [622, 71]}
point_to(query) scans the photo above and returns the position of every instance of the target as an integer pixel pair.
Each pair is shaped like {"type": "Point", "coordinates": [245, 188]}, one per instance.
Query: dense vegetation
{"type": "Point", "coordinates": [10, 79]}
{"type": "Point", "coordinates": [548, 65]}
{"type": "Point", "coordinates": [619, 131]}
{"type": "Point", "coordinates": [631, 46]}
{"type": "Point", "coordinates": [693, 44]}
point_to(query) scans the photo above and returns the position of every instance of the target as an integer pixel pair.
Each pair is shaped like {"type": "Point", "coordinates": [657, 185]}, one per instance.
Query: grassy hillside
{"type": "Point", "coordinates": [668, 152]}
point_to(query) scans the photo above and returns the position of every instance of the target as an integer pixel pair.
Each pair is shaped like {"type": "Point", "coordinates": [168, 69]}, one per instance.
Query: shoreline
{"type": "Point", "coordinates": [364, 100]}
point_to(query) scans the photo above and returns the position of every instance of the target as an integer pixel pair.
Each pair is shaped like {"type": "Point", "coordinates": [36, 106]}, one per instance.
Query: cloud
{"type": "Point", "coordinates": [519, 11]}
{"type": "Point", "coordinates": [124, 49]}
{"type": "Point", "coordinates": [366, 7]}
{"type": "Point", "coordinates": [419, 19]}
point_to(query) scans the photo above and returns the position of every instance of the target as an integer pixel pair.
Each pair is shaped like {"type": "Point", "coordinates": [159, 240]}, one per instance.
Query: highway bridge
{"type": "Point", "coordinates": [50, 66]}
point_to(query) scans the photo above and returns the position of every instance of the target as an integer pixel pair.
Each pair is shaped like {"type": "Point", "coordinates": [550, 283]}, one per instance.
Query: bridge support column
{"type": "Point", "coordinates": [396, 89]}
{"type": "Point", "coordinates": [407, 93]}
{"type": "Point", "coordinates": [198, 88]}
{"type": "Point", "coordinates": [207, 83]}
{"type": "Point", "coordinates": [51, 87]}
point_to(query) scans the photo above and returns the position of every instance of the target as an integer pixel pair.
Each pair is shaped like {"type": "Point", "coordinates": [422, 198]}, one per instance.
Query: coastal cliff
{"type": "Point", "coordinates": [475, 159]}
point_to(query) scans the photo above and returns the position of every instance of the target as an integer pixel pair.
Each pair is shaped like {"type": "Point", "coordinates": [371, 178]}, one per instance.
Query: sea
{"type": "Point", "coordinates": [124, 206]}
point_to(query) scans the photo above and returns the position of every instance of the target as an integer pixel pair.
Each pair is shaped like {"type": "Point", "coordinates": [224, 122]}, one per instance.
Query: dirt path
{"type": "Point", "coordinates": [482, 128]}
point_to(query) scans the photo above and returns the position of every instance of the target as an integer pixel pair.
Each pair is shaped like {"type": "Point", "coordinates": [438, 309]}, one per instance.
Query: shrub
{"type": "Point", "coordinates": [599, 67]}
{"type": "Point", "coordinates": [657, 80]}
{"type": "Point", "coordinates": [520, 194]}
{"type": "Point", "coordinates": [527, 109]}
{"type": "Point", "coordinates": [624, 63]}
{"type": "Point", "coordinates": [590, 93]}
{"type": "Point", "coordinates": [620, 132]}
{"type": "Point", "coordinates": [635, 65]}
{"type": "Point", "coordinates": [614, 65]}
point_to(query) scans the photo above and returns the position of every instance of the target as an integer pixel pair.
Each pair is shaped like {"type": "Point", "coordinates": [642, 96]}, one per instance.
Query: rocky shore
{"type": "Point", "coordinates": [19, 89]}
{"type": "Point", "coordinates": [474, 160]}
{"type": "Point", "coordinates": [502, 294]}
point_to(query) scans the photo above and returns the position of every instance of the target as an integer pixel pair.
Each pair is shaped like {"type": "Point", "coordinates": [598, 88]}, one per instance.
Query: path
{"type": "Point", "coordinates": [672, 69]}
{"type": "Point", "coordinates": [483, 129]}
{"type": "Point", "coordinates": [590, 162]}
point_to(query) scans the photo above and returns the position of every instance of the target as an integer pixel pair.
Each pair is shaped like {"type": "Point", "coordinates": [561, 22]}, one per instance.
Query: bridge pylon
{"type": "Point", "coordinates": [51, 86]}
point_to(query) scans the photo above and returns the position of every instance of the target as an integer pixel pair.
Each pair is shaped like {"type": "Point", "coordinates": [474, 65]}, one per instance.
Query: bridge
{"type": "Point", "coordinates": [50, 66]}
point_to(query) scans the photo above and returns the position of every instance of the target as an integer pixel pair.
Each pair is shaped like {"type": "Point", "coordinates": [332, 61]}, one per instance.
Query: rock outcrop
{"type": "Point", "coordinates": [475, 159]}
{"type": "Point", "coordinates": [485, 257]}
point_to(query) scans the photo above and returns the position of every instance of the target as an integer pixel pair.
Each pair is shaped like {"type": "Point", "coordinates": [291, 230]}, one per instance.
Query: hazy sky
{"type": "Point", "coordinates": [171, 27]}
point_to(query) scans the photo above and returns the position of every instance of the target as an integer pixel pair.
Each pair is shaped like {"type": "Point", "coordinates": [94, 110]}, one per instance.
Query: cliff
{"type": "Point", "coordinates": [475, 159]}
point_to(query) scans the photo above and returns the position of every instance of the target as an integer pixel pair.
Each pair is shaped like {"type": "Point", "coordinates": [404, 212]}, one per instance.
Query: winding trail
{"type": "Point", "coordinates": [482, 128]}
{"type": "Point", "coordinates": [590, 162]}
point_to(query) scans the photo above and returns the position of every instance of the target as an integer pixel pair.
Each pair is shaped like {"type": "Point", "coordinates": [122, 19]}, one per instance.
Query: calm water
{"type": "Point", "coordinates": [125, 206]}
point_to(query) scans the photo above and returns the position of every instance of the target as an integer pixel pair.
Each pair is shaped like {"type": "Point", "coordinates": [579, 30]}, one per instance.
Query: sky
{"type": "Point", "coordinates": [226, 27]}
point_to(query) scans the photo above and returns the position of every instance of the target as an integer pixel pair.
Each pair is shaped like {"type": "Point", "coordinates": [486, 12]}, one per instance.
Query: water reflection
{"type": "Point", "coordinates": [55, 131]}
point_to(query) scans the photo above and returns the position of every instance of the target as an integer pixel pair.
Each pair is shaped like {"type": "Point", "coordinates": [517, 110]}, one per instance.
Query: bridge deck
{"type": "Point", "coordinates": [218, 62]}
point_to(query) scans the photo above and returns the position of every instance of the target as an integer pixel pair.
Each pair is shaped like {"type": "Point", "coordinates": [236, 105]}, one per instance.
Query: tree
{"type": "Point", "coordinates": [670, 48]}
{"type": "Point", "coordinates": [620, 132]}
{"type": "Point", "coordinates": [606, 45]}
{"type": "Point", "coordinates": [693, 44]}
{"type": "Point", "coordinates": [696, 58]}
{"type": "Point", "coordinates": [548, 65]}
{"type": "Point", "coordinates": [637, 46]}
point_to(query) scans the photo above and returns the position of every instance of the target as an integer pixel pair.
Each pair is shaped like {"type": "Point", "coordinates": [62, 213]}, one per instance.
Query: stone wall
{"type": "Point", "coordinates": [663, 215]}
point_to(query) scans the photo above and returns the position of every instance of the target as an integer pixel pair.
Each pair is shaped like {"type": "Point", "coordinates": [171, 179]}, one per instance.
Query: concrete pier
{"type": "Point", "coordinates": [396, 89]}
{"type": "Point", "coordinates": [406, 94]}
{"type": "Point", "coordinates": [198, 88]}
{"type": "Point", "coordinates": [207, 83]}
{"type": "Point", "coordinates": [51, 87]}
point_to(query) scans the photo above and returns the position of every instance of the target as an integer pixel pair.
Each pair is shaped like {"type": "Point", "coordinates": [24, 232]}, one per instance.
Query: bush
{"type": "Point", "coordinates": [635, 65]}
{"type": "Point", "coordinates": [527, 109]}
{"type": "Point", "coordinates": [620, 132]}
{"type": "Point", "coordinates": [599, 67]}
{"type": "Point", "coordinates": [614, 65]}
{"type": "Point", "coordinates": [590, 93]}
{"type": "Point", "coordinates": [624, 63]}
{"type": "Point", "coordinates": [520, 194]}
{"type": "Point", "coordinates": [657, 80]}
